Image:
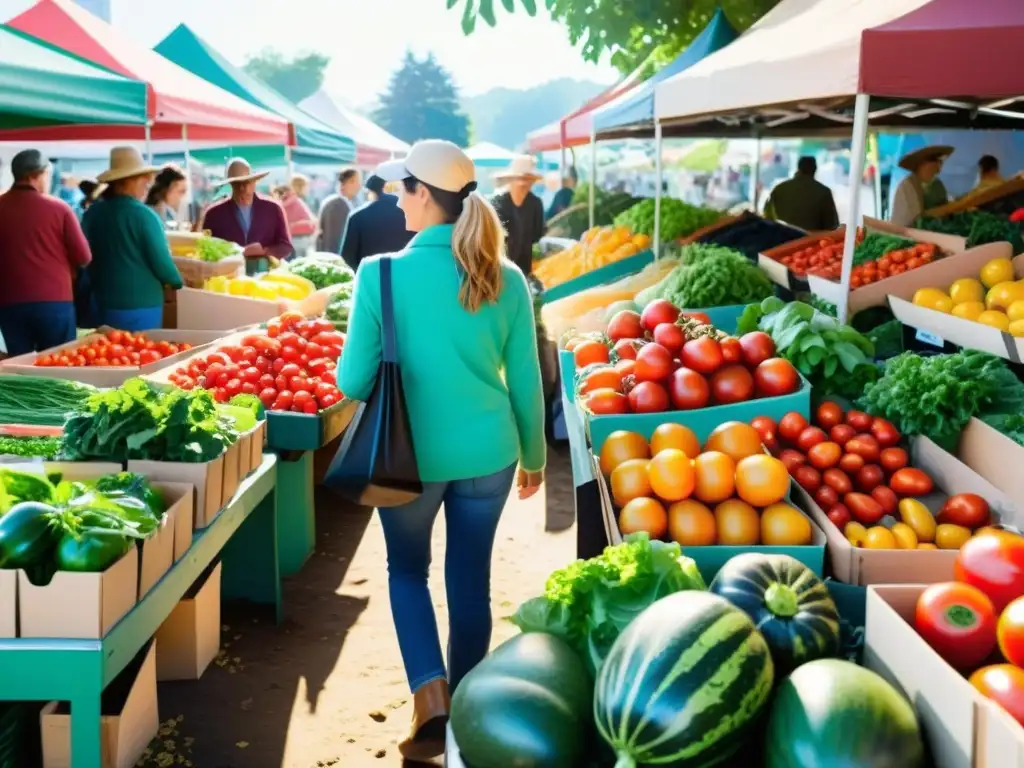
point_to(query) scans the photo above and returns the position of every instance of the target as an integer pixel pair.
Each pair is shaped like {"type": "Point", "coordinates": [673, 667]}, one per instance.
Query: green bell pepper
{"type": "Point", "coordinates": [26, 534]}
{"type": "Point", "coordinates": [92, 550]}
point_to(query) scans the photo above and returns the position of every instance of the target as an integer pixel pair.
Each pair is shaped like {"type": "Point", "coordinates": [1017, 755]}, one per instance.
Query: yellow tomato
{"type": "Point", "coordinates": [996, 271]}
{"type": "Point", "coordinates": [926, 545]}
{"type": "Point", "coordinates": [1016, 328]}
{"type": "Point", "coordinates": [1002, 295]}
{"type": "Point", "coordinates": [919, 518]}
{"type": "Point", "coordinates": [855, 533]}
{"type": "Point", "coordinates": [880, 537]}
{"type": "Point", "coordinates": [966, 289]}
{"type": "Point", "coordinates": [782, 525]}
{"type": "Point", "coordinates": [933, 298]}
{"type": "Point", "coordinates": [1016, 310]}
{"type": "Point", "coordinates": [969, 310]}
{"type": "Point", "coordinates": [994, 318]}
{"type": "Point", "coordinates": [904, 535]}
{"type": "Point", "coordinates": [949, 536]}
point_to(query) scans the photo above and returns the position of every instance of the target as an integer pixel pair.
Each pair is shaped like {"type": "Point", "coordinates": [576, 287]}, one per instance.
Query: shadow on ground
{"type": "Point", "coordinates": [559, 490]}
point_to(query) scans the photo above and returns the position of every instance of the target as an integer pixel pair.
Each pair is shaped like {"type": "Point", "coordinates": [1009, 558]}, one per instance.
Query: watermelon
{"type": "Point", "coordinates": [683, 684]}
{"type": "Point", "coordinates": [833, 714]}
{"type": "Point", "coordinates": [526, 704]}
{"type": "Point", "coordinates": [789, 604]}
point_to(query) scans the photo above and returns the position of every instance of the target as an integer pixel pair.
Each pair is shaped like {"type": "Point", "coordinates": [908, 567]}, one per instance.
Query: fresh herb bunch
{"type": "Point", "coordinates": [43, 447]}
{"type": "Point", "coordinates": [339, 308]}
{"type": "Point", "coordinates": [875, 245]}
{"type": "Point", "coordinates": [978, 227]}
{"type": "Point", "coordinates": [887, 338]}
{"type": "Point", "coordinates": [213, 249]}
{"type": "Point", "coordinates": [712, 276]}
{"type": "Point", "coordinates": [835, 358]}
{"type": "Point", "coordinates": [139, 421]}
{"type": "Point", "coordinates": [1010, 424]}
{"type": "Point", "coordinates": [40, 400]}
{"type": "Point", "coordinates": [321, 272]}
{"type": "Point", "coordinates": [820, 304]}
{"type": "Point", "coordinates": [936, 396]}
{"type": "Point", "coordinates": [678, 219]}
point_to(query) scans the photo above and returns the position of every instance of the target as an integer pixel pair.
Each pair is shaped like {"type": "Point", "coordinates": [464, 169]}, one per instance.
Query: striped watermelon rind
{"type": "Point", "coordinates": [683, 684]}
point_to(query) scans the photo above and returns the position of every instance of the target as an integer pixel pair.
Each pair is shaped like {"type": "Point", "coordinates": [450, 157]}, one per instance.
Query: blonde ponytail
{"type": "Point", "coordinates": [478, 243]}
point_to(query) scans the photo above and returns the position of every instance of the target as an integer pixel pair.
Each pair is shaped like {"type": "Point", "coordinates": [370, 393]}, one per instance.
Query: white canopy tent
{"type": "Point", "coordinates": [373, 144]}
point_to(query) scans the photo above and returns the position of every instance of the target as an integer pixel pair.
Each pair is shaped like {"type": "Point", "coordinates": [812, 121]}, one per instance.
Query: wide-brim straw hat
{"type": "Point", "coordinates": [125, 163]}
{"type": "Point", "coordinates": [521, 167]}
{"type": "Point", "coordinates": [911, 160]}
{"type": "Point", "coordinates": [239, 171]}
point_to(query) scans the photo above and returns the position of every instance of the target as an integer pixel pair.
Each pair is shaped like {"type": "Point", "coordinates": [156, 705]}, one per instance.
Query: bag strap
{"type": "Point", "coordinates": [389, 345]}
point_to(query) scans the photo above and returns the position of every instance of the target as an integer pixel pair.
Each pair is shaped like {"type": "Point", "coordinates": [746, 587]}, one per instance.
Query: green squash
{"type": "Point", "coordinates": [526, 705]}
{"type": "Point", "coordinates": [684, 684]}
{"type": "Point", "coordinates": [789, 604]}
{"type": "Point", "coordinates": [833, 714]}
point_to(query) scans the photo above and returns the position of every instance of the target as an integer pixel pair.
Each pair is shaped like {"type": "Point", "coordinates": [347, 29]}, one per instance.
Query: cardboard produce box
{"type": "Point", "coordinates": [779, 273]}
{"type": "Point", "coordinates": [864, 567]}
{"type": "Point", "coordinates": [946, 327]}
{"type": "Point", "coordinates": [995, 457]}
{"type": "Point", "coordinates": [232, 472]}
{"type": "Point", "coordinates": [189, 639]}
{"type": "Point", "coordinates": [130, 719]}
{"type": "Point", "coordinates": [207, 479]}
{"type": "Point", "coordinates": [181, 498]}
{"type": "Point", "coordinates": [159, 552]}
{"type": "Point", "coordinates": [221, 311]}
{"type": "Point", "coordinates": [108, 376]}
{"type": "Point", "coordinates": [874, 295]}
{"type": "Point", "coordinates": [963, 728]}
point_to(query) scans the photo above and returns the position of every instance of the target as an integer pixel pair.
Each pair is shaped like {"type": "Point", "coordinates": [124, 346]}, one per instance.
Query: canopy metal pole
{"type": "Point", "coordinates": [857, 152]}
{"type": "Point", "coordinates": [755, 193]}
{"type": "Point", "coordinates": [562, 166]}
{"type": "Point", "coordinates": [657, 189]}
{"type": "Point", "coordinates": [593, 171]}
{"type": "Point", "coordinates": [876, 161]}
{"type": "Point", "coordinates": [149, 143]}
{"type": "Point", "coordinates": [289, 165]}
{"type": "Point", "coordinates": [190, 204]}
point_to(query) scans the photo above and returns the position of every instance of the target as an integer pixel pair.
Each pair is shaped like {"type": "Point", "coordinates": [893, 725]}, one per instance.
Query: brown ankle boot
{"type": "Point", "coordinates": [431, 704]}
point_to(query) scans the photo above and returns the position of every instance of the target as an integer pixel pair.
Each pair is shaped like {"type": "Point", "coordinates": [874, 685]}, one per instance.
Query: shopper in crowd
{"type": "Point", "coordinates": [41, 249]}
{"type": "Point", "coordinates": [803, 201]}
{"type": "Point", "coordinates": [377, 227]}
{"type": "Point", "coordinates": [988, 174]}
{"type": "Point", "coordinates": [91, 190]}
{"type": "Point", "coordinates": [301, 222]}
{"type": "Point", "coordinates": [521, 212]}
{"type": "Point", "coordinates": [68, 190]}
{"type": "Point", "coordinates": [168, 190]}
{"type": "Point", "coordinates": [921, 189]}
{"type": "Point", "coordinates": [131, 259]}
{"type": "Point", "coordinates": [475, 408]}
{"type": "Point", "coordinates": [335, 210]}
{"type": "Point", "coordinates": [563, 197]}
{"type": "Point", "coordinates": [255, 223]}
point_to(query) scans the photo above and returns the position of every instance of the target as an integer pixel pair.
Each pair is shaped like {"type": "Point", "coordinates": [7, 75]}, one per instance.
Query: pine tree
{"type": "Point", "coordinates": [422, 102]}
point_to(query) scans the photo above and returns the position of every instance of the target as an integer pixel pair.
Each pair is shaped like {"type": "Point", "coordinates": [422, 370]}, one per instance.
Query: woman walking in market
{"type": "Point", "coordinates": [131, 261]}
{"type": "Point", "coordinates": [301, 221]}
{"type": "Point", "coordinates": [166, 194]}
{"type": "Point", "coordinates": [467, 349]}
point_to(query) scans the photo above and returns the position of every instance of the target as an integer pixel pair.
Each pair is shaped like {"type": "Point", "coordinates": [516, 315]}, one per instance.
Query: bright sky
{"type": "Point", "coordinates": [366, 39]}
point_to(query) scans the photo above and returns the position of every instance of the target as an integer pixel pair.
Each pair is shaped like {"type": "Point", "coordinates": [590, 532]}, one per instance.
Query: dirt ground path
{"type": "Point", "coordinates": [326, 688]}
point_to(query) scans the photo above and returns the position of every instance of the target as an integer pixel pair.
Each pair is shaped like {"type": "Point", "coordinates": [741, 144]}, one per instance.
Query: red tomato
{"type": "Point", "coordinates": [839, 515]}
{"type": "Point", "coordinates": [328, 400]}
{"type": "Point", "coordinates": [732, 384]}
{"type": "Point", "coordinates": [250, 388]}
{"type": "Point", "coordinates": [653, 363]}
{"type": "Point", "coordinates": [893, 459]}
{"type": "Point", "coordinates": [810, 437]}
{"type": "Point", "coordinates": [842, 433]}
{"type": "Point", "coordinates": [330, 339]}
{"type": "Point", "coordinates": [757, 347]}
{"type": "Point", "coordinates": [732, 352]}
{"type": "Point", "coordinates": [864, 509]}
{"type": "Point", "coordinates": [688, 390]}
{"type": "Point", "coordinates": [869, 477]}
{"type": "Point", "coordinates": [290, 354]}
{"type": "Point", "coordinates": [1011, 632]}
{"type": "Point", "coordinates": [792, 459]}
{"type": "Point", "coordinates": [859, 420]}
{"type": "Point", "coordinates": [648, 397]}
{"type": "Point", "coordinates": [314, 351]}
{"type": "Point", "coordinates": [319, 366]}
{"type": "Point", "coordinates": [838, 481]}
{"type": "Point", "coordinates": [332, 353]}
{"type": "Point", "coordinates": [885, 433]}
{"type": "Point", "coordinates": [824, 455]}
{"type": "Point", "coordinates": [625, 349]}
{"type": "Point", "coordinates": [958, 621]}
{"type": "Point", "coordinates": [791, 426]}
{"type": "Point", "coordinates": [290, 369]}
{"type": "Point", "coordinates": [808, 477]}
{"type": "Point", "coordinates": [886, 498]}
{"type": "Point", "coordinates": [910, 481]}
{"type": "Point", "coordinates": [995, 565]}
{"type": "Point", "coordinates": [267, 396]}
{"type": "Point", "coordinates": [851, 463]}
{"type": "Point", "coordinates": [1003, 684]}
{"type": "Point", "coordinates": [775, 377]}
{"type": "Point", "coordinates": [233, 387]}
{"type": "Point", "coordinates": [220, 395]}
{"type": "Point", "coordinates": [670, 336]}
{"type": "Point", "coordinates": [864, 446]}
{"type": "Point", "coordinates": [299, 384]}
{"type": "Point", "coordinates": [301, 399]}
{"type": "Point", "coordinates": [966, 509]}
{"type": "Point", "coordinates": [829, 414]}
{"type": "Point", "coordinates": [278, 364]}
{"type": "Point", "coordinates": [765, 426]}
{"type": "Point", "coordinates": [252, 373]}
{"type": "Point", "coordinates": [283, 401]}
{"type": "Point", "coordinates": [657, 312]}
{"type": "Point", "coordinates": [703, 355]}
{"type": "Point", "coordinates": [274, 328]}
{"type": "Point", "coordinates": [826, 497]}
{"type": "Point", "coordinates": [625, 325]}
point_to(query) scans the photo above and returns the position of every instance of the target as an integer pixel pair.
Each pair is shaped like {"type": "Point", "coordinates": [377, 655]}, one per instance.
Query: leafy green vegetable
{"type": "Point", "coordinates": [712, 276]}
{"type": "Point", "coordinates": [978, 227]}
{"type": "Point", "coordinates": [936, 396]}
{"type": "Point", "coordinates": [875, 245]}
{"type": "Point", "coordinates": [887, 338]}
{"type": "Point", "coordinates": [321, 272]}
{"type": "Point", "coordinates": [26, 486]}
{"type": "Point", "coordinates": [139, 421]}
{"type": "Point", "coordinates": [40, 400]}
{"type": "Point", "coordinates": [339, 308]}
{"type": "Point", "coordinates": [589, 602]}
{"type": "Point", "coordinates": [135, 485]}
{"type": "Point", "coordinates": [678, 219]}
{"type": "Point", "coordinates": [43, 447]}
{"type": "Point", "coordinates": [1010, 424]}
{"type": "Point", "coordinates": [214, 249]}
{"type": "Point", "coordinates": [835, 358]}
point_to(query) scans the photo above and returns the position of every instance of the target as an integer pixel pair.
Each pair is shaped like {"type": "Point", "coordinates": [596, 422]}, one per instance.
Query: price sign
{"type": "Point", "coordinates": [927, 337]}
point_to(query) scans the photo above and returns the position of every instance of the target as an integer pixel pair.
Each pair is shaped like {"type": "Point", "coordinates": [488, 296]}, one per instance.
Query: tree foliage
{"type": "Point", "coordinates": [633, 32]}
{"type": "Point", "coordinates": [422, 102]}
{"type": "Point", "coordinates": [296, 78]}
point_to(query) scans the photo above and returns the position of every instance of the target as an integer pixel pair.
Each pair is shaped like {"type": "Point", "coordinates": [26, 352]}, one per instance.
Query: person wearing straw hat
{"type": "Point", "coordinates": [254, 223]}
{"type": "Point", "coordinates": [521, 212]}
{"type": "Point", "coordinates": [131, 258]}
{"type": "Point", "coordinates": [921, 189]}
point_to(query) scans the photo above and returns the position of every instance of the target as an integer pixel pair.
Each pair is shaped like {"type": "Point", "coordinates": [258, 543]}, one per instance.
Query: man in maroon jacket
{"type": "Point", "coordinates": [41, 249]}
{"type": "Point", "coordinates": [253, 222]}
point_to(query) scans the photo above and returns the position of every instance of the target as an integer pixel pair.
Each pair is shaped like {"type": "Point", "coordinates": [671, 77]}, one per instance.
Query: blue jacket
{"type": "Point", "coordinates": [375, 228]}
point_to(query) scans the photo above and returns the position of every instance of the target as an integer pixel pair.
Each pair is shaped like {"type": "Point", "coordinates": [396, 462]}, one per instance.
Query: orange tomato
{"type": "Point", "coordinates": [647, 515]}
{"type": "Point", "coordinates": [675, 436]}
{"type": "Point", "coordinates": [738, 524]}
{"type": "Point", "coordinates": [605, 401]}
{"type": "Point", "coordinates": [602, 378]}
{"type": "Point", "coordinates": [629, 481]}
{"type": "Point", "coordinates": [735, 439]}
{"type": "Point", "coordinates": [783, 525]}
{"type": "Point", "coordinates": [621, 446]}
{"type": "Point", "coordinates": [691, 524]}
{"type": "Point", "coordinates": [715, 477]}
{"type": "Point", "coordinates": [761, 480]}
{"type": "Point", "coordinates": [671, 475]}
{"type": "Point", "coordinates": [589, 352]}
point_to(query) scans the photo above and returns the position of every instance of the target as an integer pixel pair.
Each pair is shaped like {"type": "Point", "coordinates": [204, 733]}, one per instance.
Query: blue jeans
{"type": "Point", "coordinates": [133, 320]}
{"type": "Point", "coordinates": [472, 510]}
{"type": "Point", "coordinates": [37, 325]}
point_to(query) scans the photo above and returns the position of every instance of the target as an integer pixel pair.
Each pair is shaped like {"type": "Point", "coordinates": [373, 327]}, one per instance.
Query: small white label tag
{"type": "Point", "coordinates": [928, 337]}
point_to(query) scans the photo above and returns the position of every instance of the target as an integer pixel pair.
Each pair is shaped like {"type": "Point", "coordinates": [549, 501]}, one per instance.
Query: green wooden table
{"type": "Point", "coordinates": [78, 671]}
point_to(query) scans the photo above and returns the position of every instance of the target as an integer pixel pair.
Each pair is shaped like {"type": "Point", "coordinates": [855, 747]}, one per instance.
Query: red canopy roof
{"type": "Point", "coordinates": [176, 97]}
{"type": "Point", "coordinates": [946, 48]}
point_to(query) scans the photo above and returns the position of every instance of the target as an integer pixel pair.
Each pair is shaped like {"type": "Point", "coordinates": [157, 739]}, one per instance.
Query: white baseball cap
{"type": "Point", "coordinates": [436, 163]}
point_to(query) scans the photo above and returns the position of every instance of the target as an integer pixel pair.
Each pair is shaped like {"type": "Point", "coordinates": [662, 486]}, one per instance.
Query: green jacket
{"type": "Point", "coordinates": [472, 380]}
{"type": "Point", "coordinates": [805, 203]}
{"type": "Point", "coordinates": [131, 261]}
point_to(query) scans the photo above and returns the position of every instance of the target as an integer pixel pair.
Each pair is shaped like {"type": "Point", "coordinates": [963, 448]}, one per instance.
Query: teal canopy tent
{"type": "Point", "coordinates": [313, 142]}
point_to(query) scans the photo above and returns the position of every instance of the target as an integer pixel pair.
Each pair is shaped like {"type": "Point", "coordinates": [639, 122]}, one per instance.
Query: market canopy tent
{"type": "Point", "coordinates": [313, 140]}
{"type": "Point", "coordinates": [374, 145]}
{"type": "Point", "coordinates": [178, 101]}
{"type": "Point", "coordinates": [41, 85]}
{"type": "Point", "coordinates": [632, 114]}
{"type": "Point", "coordinates": [488, 155]}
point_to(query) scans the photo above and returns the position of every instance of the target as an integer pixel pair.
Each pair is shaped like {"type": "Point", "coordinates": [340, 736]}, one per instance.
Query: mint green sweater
{"type": "Point", "coordinates": [472, 380]}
